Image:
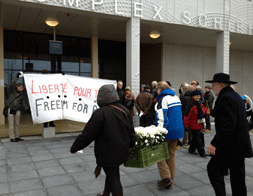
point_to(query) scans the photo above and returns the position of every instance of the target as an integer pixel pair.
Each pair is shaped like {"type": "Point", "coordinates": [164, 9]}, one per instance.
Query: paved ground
{"type": "Point", "coordinates": [40, 167]}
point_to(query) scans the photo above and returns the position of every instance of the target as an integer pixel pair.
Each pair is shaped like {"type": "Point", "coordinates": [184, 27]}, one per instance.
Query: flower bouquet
{"type": "Point", "coordinates": [149, 147]}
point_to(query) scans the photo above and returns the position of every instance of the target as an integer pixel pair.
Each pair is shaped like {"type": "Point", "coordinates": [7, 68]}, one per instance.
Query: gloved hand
{"type": "Point", "coordinates": [18, 74]}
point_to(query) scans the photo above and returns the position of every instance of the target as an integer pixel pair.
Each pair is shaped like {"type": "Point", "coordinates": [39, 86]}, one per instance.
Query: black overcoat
{"type": "Point", "coordinates": [232, 137]}
{"type": "Point", "coordinates": [113, 133]}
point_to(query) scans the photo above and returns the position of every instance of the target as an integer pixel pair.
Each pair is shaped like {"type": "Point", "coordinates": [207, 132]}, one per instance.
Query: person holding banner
{"type": "Point", "coordinates": [111, 127]}
{"type": "Point", "coordinates": [16, 101]}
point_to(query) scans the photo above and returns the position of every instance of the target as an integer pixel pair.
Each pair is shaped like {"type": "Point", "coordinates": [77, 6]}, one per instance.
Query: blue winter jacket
{"type": "Point", "coordinates": [168, 114]}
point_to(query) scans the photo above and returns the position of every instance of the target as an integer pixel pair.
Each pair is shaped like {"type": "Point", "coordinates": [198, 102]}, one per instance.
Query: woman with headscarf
{"type": "Point", "coordinates": [111, 127]}
{"type": "Point", "coordinates": [129, 100]}
{"type": "Point", "coordinates": [194, 118]}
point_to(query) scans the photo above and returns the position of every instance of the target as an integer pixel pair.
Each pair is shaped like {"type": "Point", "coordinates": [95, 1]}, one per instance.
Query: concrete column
{"type": "Point", "coordinates": [222, 52]}
{"type": "Point", "coordinates": [2, 118]}
{"type": "Point", "coordinates": [94, 56]}
{"type": "Point", "coordinates": [133, 57]}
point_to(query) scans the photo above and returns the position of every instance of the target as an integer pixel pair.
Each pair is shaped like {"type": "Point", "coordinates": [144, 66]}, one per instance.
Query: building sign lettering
{"type": "Point", "coordinates": [202, 19]}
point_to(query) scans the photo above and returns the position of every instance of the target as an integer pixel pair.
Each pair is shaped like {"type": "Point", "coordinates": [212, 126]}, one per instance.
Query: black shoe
{"type": "Point", "coordinates": [14, 140]}
{"type": "Point", "coordinates": [165, 182]}
{"type": "Point", "coordinates": [193, 153]}
{"type": "Point", "coordinates": [19, 139]}
{"type": "Point", "coordinates": [204, 155]}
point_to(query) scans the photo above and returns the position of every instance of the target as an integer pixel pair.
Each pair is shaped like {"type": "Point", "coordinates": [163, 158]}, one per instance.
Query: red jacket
{"type": "Point", "coordinates": [191, 116]}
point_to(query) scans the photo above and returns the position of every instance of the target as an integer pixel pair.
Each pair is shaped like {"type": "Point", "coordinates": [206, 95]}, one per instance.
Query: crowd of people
{"type": "Point", "coordinates": [186, 117]}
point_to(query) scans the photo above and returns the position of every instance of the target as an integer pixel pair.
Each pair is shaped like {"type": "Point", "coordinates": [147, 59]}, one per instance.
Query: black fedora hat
{"type": "Point", "coordinates": [221, 77]}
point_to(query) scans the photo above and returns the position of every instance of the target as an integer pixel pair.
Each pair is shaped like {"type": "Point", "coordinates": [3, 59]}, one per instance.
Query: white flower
{"type": "Point", "coordinates": [147, 144]}
{"type": "Point", "coordinates": [146, 141]}
{"type": "Point", "coordinates": [157, 137]}
{"type": "Point", "coordinates": [136, 143]}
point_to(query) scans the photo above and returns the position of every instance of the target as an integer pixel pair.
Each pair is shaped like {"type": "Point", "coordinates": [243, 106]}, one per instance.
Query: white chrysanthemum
{"type": "Point", "coordinates": [146, 141]}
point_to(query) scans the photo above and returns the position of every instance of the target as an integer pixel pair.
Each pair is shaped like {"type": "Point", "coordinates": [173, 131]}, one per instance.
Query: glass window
{"type": "Point", "coordinates": [70, 64]}
{"type": "Point", "coordinates": [86, 74]}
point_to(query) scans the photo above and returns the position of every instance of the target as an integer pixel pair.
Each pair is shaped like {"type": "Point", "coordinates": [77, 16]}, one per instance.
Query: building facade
{"type": "Point", "coordinates": [111, 39]}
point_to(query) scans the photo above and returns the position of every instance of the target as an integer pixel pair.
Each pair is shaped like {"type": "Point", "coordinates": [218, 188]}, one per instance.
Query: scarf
{"type": "Point", "coordinates": [201, 117]}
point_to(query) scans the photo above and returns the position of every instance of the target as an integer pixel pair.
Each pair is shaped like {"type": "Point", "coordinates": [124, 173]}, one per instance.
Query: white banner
{"type": "Point", "coordinates": [56, 96]}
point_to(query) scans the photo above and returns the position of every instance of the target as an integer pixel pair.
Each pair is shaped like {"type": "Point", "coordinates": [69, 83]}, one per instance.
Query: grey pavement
{"type": "Point", "coordinates": [40, 167]}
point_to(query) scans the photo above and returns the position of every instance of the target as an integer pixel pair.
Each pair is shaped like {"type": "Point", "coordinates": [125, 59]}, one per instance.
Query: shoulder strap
{"type": "Point", "coordinates": [14, 99]}
{"type": "Point", "coordinates": [119, 109]}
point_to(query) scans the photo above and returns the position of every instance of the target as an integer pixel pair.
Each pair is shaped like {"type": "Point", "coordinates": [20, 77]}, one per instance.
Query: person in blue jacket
{"type": "Point", "coordinates": [168, 114]}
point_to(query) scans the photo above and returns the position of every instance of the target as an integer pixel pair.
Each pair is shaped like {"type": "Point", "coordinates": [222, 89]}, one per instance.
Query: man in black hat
{"type": "Point", "coordinates": [231, 143]}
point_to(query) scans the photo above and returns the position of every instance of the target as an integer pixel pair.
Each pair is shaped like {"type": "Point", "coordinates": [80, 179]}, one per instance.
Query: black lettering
{"type": "Point", "coordinates": [46, 105]}
{"type": "Point", "coordinates": [85, 108]}
{"type": "Point", "coordinates": [64, 103]}
{"type": "Point", "coordinates": [74, 105]}
{"type": "Point", "coordinates": [37, 105]}
{"type": "Point", "coordinates": [52, 104]}
{"type": "Point", "coordinates": [79, 107]}
{"type": "Point", "coordinates": [95, 107]}
{"type": "Point", "coordinates": [58, 104]}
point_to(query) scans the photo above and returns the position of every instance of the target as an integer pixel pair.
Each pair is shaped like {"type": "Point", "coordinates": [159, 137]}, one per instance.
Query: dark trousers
{"type": "Point", "coordinates": [216, 169]}
{"type": "Point", "coordinates": [208, 123]}
{"type": "Point", "coordinates": [145, 122]}
{"type": "Point", "coordinates": [113, 179]}
{"type": "Point", "coordinates": [197, 142]}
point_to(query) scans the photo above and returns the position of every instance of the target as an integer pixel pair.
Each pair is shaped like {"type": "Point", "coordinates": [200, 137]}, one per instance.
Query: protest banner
{"type": "Point", "coordinates": [56, 96]}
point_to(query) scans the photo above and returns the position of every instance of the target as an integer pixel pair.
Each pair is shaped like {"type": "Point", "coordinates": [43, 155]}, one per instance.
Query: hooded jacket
{"type": "Point", "coordinates": [111, 128]}
{"type": "Point", "coordinates": [168, 114]}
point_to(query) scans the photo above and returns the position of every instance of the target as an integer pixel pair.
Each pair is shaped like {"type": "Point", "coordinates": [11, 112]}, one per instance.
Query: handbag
{"type": "Point", "coordinates": [5, 111]}
{"type": "Point", "coordinates": [129, 104]}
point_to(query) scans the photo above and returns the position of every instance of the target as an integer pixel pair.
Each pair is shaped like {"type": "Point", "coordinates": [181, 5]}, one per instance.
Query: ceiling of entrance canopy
{"type": "Point", "coordinates": [83, 24]}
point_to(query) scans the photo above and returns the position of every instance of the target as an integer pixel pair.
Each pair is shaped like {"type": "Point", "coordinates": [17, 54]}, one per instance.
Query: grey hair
{"type": "Point", "coordinates": [154, 83]}
{"type": "Point", "coordinates": [190, 87]}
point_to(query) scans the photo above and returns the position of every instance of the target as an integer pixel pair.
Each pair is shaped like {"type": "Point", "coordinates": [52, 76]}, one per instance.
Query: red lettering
{"type": "Point", "coordinates": [50, 88]}
{"type": "Point", "coordinates": [40, 89]}
{"type": "Point", "coordinates": [88, 92]}
{"type": "Point", "coordinates": [56, 87]}
{"type": "Point", "coordinates": [96, 93]}
{"type": "Point", "coordinates": [44, 88]}
{"type": "Point", "coordinates": [75, 89]}
{"type": "Point", "coordinates": [65, 87]}
{"type": "Point", "coordinates": [32, 89]}
{"type": "Point", "coordinates": [79, 91]}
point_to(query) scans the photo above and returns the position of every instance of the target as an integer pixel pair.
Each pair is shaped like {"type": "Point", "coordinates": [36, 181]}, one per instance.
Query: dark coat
{"type": "Point", "coordinates": [191, 116]}
{"type": "Point", "coordinates": [113, 132]}
{"type": "Point", "coordinates": [122, 96]}
{"type": "Point", "coordinates": [21, 100]}
{"type": "Point", "coordinates": [209, 98]}
{"type": "Point", "coordinates": [144, 103]}
{"type": "Point", "coordinates": [154, 92]}
{"type": "Point", "coordinates": [185, 99]}
{"type": "Point", "coordinates": [232, 137]}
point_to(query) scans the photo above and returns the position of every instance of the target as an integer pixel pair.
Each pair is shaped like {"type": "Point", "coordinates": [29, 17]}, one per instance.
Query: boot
{"type": "Point", "coordinates": [106, 191]}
